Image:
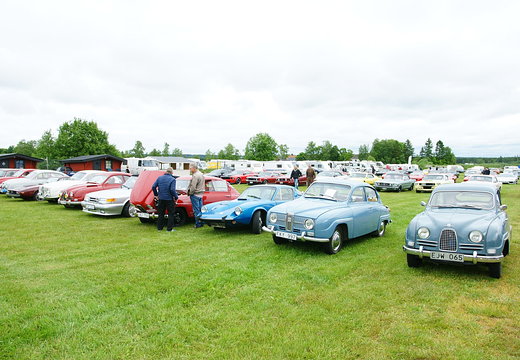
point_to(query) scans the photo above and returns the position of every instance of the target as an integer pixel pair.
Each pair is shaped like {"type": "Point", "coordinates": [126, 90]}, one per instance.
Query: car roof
{"type": "Point", "coordinates": [474, 186]}
{"type": "Point", "coordinates": [342, 181]}
{"type": "Point", "coordinates": [279, 186]}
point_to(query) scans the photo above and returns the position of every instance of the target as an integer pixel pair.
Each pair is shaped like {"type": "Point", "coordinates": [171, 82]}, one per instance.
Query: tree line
{"type": "Point", "coordinates": [80, 137]}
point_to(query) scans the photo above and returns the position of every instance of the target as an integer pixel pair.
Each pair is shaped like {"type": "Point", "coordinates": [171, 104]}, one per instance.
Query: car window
{"type": "Point", "coordinates": [470, 199]}
{"type": "Point", "coordinates": [336, 192]}
{"type": "Point", "coordinates": [258, 192]}
{"type": "Point", "coordinates": [219, 185]}
{"type": "Point", "coordinates": [358, 195]}
{"type": "Point", "coordinates": [287, 194]}
{"type": "Point", "coordinates": [371, 194]}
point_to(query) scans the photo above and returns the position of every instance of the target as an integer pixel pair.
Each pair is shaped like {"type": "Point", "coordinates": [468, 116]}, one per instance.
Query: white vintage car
{"type": "Point", "coordinates": [36, 177]}
{"type": "Point", "coordinates": [508, 178]}
{"type": "Point", "coordinates": [51, 191]}
{"type": "Point", "coordinates": [431, 181]}
{"type": "Point", "coordinates": [486, 179]}
{"type": "Point", "coordinates": [111, 202]}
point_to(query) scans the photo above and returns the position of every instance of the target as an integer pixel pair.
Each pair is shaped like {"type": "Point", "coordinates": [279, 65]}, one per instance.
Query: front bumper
{"type": "Point", "coordinates": [301, 237]}
{"type": "Point", "coordinates": [13, 194]}
{"type": "Point", "coordinates": [102, 209]}
{"type": "Point", "coordinates": [474, 258]}
{"type": "Point", "coordinates": [68, 202]}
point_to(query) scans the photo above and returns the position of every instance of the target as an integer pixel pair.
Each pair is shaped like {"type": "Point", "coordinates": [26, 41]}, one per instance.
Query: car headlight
{"type": "Point", "coordinates": [238, 210]}
{"type": "Point", "coordinates": [309, 224]}
{"type": "Point", "coordinates": [475, 236]}
{"type": "Point", "coordinates": [204, 209]}
{"type": "Point", "coordinates": [423, 233]}
{"type": "Point", "coordinates": [273, 217]}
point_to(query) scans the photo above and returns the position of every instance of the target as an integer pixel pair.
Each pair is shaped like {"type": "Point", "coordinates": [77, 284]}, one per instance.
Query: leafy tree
{"type": "Point", "coordinates": [345, 154]}
{"type": "Point", "coordinates": [166, 149]}
{"type": "Point", "coordinates": [229, 153]}
{"type": "Point", "coordinates": [26, 147]}
{"type": "Point", "coordinates": [81, 137]}
{"type": "Point", "coordinates": [261, 147]}
{"type": "Point", "coordinates": [209, 155]}
{"type": "Point", "coordinates": [45, 149]}
{"type": "Point", "coordinates": [155, 152]}
{"type": "Point", "coordinates": [312, 152]}
{"type": "Point", "coordinates": [388, 151]}
{"type": "Point", "coordinates": [408, 149]}
{"type": "Point", "coordinates": [427, 149]}
{"type": "Point", "coordinates": [176, 152]}
{"type": "Point", "coordinates": [301, 156]}
{"type": "Point", "coordinates": [283, 151]}
{"type": "Point", "coordinates": [7, 150]}
{"type": "Point", "coordinates": [443, 154]}
{"type": "Point", "coordinates": [329, 152]}
{"type": "Point", "coordinates": [364, 152]}
{"type": "Point", "coordinates": [138, 150]}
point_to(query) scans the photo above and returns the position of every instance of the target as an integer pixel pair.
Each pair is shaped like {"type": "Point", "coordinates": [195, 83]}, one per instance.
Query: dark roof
{"type": "Point", "coordinates": [86, 158]}
{"type": "Point", "coordinates": [19, 156]}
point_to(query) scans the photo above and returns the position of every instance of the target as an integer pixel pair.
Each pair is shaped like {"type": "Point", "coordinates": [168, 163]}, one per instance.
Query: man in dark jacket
{"type": "Point", "coordinates": [295, 175]}
{"type": "Point", "coordinates": [164, 191]}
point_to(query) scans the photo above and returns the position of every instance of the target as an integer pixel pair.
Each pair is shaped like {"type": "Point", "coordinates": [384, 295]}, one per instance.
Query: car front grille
{"type": "Point", "coordinates": [430, 243]}
{"type": "Point", "coordinates": [448, 240]}
{"type": "Point", "coordinates": [92, 200]}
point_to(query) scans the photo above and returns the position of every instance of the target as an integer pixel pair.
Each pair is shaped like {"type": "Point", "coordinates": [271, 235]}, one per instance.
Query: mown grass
{"type": "Point", "coordinates": [76, 286]}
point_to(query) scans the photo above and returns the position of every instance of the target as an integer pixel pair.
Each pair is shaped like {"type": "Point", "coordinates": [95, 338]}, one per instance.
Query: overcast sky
{"type": "Point", "coordinates": [201, 74]}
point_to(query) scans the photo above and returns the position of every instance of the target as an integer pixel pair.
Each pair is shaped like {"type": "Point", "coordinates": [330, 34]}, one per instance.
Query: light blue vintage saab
{"type": "Point", "coordinates": [462, 223]}
{"type": "Point", "coordinates": [331, 211]}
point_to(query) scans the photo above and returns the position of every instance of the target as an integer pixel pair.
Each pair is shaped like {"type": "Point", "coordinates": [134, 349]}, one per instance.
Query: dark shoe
{"type": "Point", "coordinates": [198, 226]}
{"type": "Point", "coordinates": [170, 231]}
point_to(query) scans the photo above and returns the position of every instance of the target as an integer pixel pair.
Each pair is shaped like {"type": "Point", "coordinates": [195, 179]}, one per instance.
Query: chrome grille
{"type": "Point", "coordinates": [430, 243]}
{"type": "Point", "coordinates": [289, 221]}
{"type": "Point", "coordinates": [471, 246]}
{"type": "Point", "coordinates": [448, 240]}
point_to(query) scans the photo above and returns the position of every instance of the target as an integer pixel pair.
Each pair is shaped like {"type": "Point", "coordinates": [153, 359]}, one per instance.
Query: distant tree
{"type": "Point", "coordinates": [364, 152]}
{"type": "Point", "coordinates": [81, 137]}
{"type": "Point", "coordinates": [155, 152]}
{"type": "Point", "coordinates": [26, 147]}
{"type": "Point", "coordinates": [261, 147]}
{"type": "Point", "coordinates": [229, 153]}
{"type": "Point", "coordinates": [283, 151]}
{"type": "Point", "coordinates": [345, 154]}
{"type": "Point", "coordinates": [312, 152]}
{"type": "Point", "coordinates": [427, 149]}
{"type": "Point", "coordinates": [408, 149]}
{"type": "Point", "coordinates": [389, 151]}
{"type": "Point", "coordinates": [7, 150]}
{"type": "Point", "coordinates": [45, 149]}
{"type": "Point", "coordinates": [443, 154]}
{"type": "Point", "coordinates": [209, 155]}
{"type": "Point", "coordinates": [176, 152]}
{"type": "Point", "coordinates": [329, 151]}
{"type": "Point", "coordinates": [138, 150]}
{"type": "Point", "coordinates": [301, 156]}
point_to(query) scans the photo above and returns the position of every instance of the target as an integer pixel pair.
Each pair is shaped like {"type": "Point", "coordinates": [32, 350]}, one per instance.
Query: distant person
{"type": "Point", "coordinates": [164, 192]}
{"type": "Point", "coordinates": [486, 171]}
{"type": "Point", "coordinates": [196, 192]}
{"type": "Point", "coordinates": [311, 175]}
{"type": "Point", "coordinates": [373, 169]}
{"type": "Point", "coordinates": [295, 175]}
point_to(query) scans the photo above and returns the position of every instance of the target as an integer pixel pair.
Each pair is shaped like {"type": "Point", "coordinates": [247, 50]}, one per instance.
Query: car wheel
{"type": "Point", "coordinates": [35, 197]}
{"type": "Point", "coordinates": [411, 188]}
{"type": "Point", "coordinates": [417, 191]}
{"type": "Point", "coordinates": [399, 189]}
{"type": "Point", "coordinates": [256, 223]}
{"type": "Point", "coordinates": [238, 181]}
{"type": "Point", "coordinates": [335, 243]}
{"type": "Point", "coordinates": [179, 217]}
{"type": "Point", "coordinates": [381, 229]}
{"type": "Point", "coordinates": [278, 240]}
{"type": "Point", "coordinates": [128, 210]}
{"type": "Point", "coordinates": [413, 261]}
{"type": "Point", "coordinates": [495, 270]}
{"type": "Point", "coordinates": [265, 181]}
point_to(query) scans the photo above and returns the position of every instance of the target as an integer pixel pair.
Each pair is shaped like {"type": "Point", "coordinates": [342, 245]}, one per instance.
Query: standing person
{"type": "Point", "coordinates": [164, 192]}
{"type": "Point", "coordinates": [295, 175]}
{"type": "Point", "coordinates": [196, 191]}
{"type": "Point", "coordinates": [486, 171]}
{"type": "Point", "coordinates": [311, 175]}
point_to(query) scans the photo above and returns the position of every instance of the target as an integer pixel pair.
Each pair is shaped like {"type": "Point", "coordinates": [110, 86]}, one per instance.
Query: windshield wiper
{"type": "Point", "coordinates": [321, 196]}
{"type": "Point", "coordinates": [457, 207]}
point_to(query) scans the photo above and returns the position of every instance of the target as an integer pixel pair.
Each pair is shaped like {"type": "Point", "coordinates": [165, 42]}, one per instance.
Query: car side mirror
{"type": "Point", "coordinates": [423, 203]}
{"type": "Point", "coordinates": [503, 207]}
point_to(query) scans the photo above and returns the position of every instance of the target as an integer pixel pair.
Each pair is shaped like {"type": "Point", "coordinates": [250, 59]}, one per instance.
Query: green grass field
{"type": "Point", "coordinates": [77, 286]}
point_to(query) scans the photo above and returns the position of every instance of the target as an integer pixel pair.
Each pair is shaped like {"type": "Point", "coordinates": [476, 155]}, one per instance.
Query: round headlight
{"type": "Point", "coordinates": [204, 209]}
{"type": "Point", "coordinates": [309, 224]}
{"type": "Point", "coordinates": [273, 218]}
{"type": "Point", "coordinates": [423, 233]}
{"type": "Point", "coordinates": [475, 236]}
{"type": "Point", "coordinates": [238, 211]}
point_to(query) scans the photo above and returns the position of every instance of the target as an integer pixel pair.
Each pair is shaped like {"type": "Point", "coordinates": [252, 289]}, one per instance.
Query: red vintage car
{"type": "Point", "coordinates": [287, 180]}
{"type": "Point", "coordinates": [28, 193]}
{"type": "Point", "coordinates": [146, 210]}
{"type": "Point", "coordinates": [73, 196]}
{"type": "Point", "coordinates": [417, 175]}
{"type": "Point", "coordinates": [238, 176]}
{"type": "Point", "coordinates": [265, 177]}
{"type": "Point", "coordinates": [20, 173]}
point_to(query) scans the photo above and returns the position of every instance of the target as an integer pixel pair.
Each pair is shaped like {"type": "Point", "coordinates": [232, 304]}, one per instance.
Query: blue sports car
{"type": "Point", "coordinates": [331, 211]}
{"type": "Point", "coordinates": [249, 209]}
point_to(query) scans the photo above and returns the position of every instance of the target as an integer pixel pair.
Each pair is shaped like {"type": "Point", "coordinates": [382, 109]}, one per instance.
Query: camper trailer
{"type": "Point", "coordinates": [135, 165]}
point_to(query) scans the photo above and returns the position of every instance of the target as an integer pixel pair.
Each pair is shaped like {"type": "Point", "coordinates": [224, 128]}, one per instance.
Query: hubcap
{"type": "Point", "coordinates": [336, 241]}
{"type": "Point", "coordinates": [381, 228]}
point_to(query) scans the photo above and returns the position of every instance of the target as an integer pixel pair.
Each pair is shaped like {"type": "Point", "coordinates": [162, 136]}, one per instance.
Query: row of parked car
{"type": "Point", "coordinates": [462, 223]}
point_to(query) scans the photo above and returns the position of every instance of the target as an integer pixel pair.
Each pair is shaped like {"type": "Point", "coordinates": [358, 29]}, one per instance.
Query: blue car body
{"type": "Point", "coordinates": [462, 223]}
{"type": "Point", "coordinates": [331, 211]}
{"type": "Point", "coordinates": [241, 212]}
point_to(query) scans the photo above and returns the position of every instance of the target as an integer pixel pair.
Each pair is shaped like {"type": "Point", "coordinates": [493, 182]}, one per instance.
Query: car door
{"type": "Point", "coordinates": [216, 190]}
{"type": "Point", "coordinates": [362, 212]}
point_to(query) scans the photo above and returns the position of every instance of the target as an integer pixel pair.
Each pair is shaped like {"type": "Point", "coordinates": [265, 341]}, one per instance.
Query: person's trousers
{"type": "Point", "coordinates": [296, 183]}
{"type": "Point", "coordinates": [196, 202]}
{"type": "Point", "coordinates": [162, 206]}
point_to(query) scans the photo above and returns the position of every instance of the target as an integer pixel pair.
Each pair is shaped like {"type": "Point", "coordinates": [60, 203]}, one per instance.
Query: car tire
{"type": "Point", "coordinates": [399, 189]}
{"type": "Point", "coordinates": [417, 191]}
{"type": "Point", "coordinates": [411, 188]}
{"type": "Point", "coordinates": [265, 181]}
{"type": "Point", "coordinates": [34, 197]}
{"type": "Point", "coordinates": [495, 270]}
{"type": "Point", "coordinates": [179, 217]}
{"type": "Point", "coordinates": [256, 223]}
{"type": "Point", "coordinates": [413, 261]}
{"type": "Point", "coordinates": [278, 240]}
{"type": "Point", "coordinates": [381, 229]}
{"type": "Point", "coordinates": [238, 181]}
{"type": "Point", "coordinates": [128, 210]}
{"type": "Point", "coordinates": [335, 243]}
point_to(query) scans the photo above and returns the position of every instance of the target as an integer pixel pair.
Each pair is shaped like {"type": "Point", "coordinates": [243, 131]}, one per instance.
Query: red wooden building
{"type": "Point", "coordinates": [94, 162]}
{"type": "Point", "coordinates": [18, 161]}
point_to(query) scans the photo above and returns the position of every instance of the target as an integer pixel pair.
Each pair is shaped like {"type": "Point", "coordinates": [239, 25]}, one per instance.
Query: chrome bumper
{"type": "Point", "coordinates": [102, 209]}
{"type": "Point", "coordinates": [302, 237]}
{"type": "Point", "coordinates": [474, 258]}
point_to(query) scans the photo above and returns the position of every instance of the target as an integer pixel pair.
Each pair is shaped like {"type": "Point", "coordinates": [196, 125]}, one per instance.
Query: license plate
{"type": "Point", "coordinates": [446, 256]}
{"type": "Point", "coordinates": [285, 235]}
{"type": "Point", "coordinates": [143, 215]}
{"type": "Point", "coordinates": [90, 207]}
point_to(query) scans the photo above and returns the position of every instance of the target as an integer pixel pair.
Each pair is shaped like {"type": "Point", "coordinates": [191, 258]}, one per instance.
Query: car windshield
{"type": "Point", "coordinates": [265, 174]}
{"type": "Point", "coordinates": [18, 173]}
{"type": "Point", "coordinates": [148, 163]}
{"type": "Point", "coordinates": [480, 178]}
{"type": "Point", "coordinates": [78, 176]}
{"type": "Point", "coordinates": [358, 175]}
{"type": "Point", "coordinates": [182, 184]}
{"type": "Point", "coordinates": [434, 177]}
{"type": "Point", "coordinates": [130, 182]}
{"type": "Point", "coordinates": [328, 173]}
{"type": "Point", "coordinates": [97, 178]}
{"type": "Point", "coordinates": [259, 192]}
{"type": "Point", "coordinates": [394, 177]}
{"type": "Point", "coordinates": [236, 172]}
{"type": "Point", "coordinates": [506, 175]}
{"type": "Point", "coordinates": [32, 175]}
{"type": "Point", "coordinates": [337, 192]}
{"type": "Point", "coordinates": [462, 199]}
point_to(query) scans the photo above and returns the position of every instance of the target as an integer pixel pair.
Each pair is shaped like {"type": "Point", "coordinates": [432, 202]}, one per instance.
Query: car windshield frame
{"type": "Point", "coordinates": [451, 201]}
{"type": "Point", "coordinates": [98, 178]}
{"type": "Point", "coordinates": [329, 191]}
{"type": "Point", "coordinates": [262, 193]}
